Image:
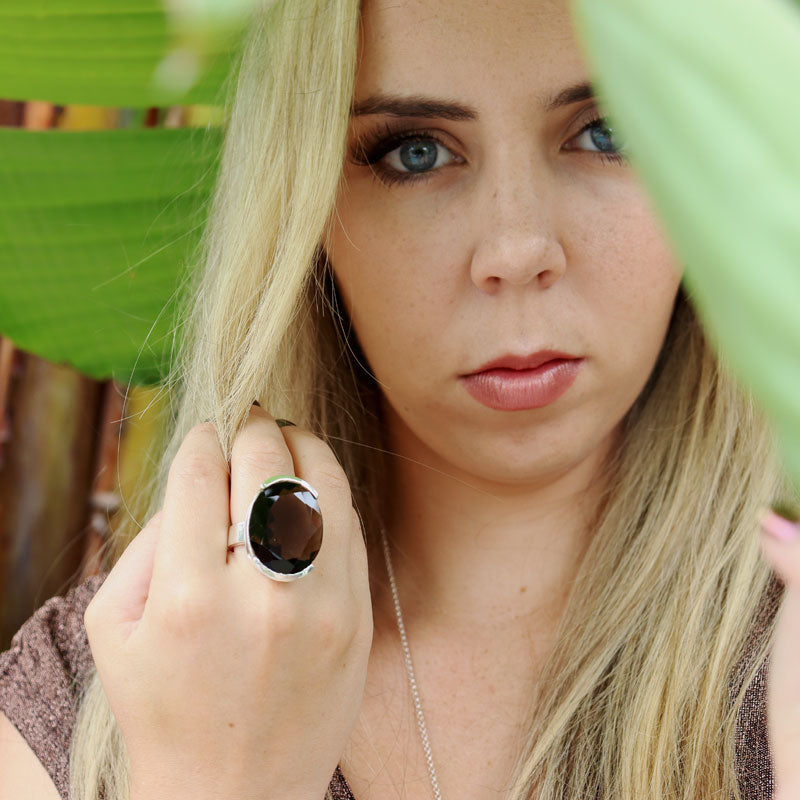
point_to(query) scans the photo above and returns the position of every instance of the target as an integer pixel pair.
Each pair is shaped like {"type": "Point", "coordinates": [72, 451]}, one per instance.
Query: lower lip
{"type": "Point", "coordinates": [523, 389]}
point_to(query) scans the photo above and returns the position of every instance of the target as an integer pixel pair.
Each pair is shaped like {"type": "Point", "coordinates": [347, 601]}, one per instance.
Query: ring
{"type": "Point", "coordinates": [282, 533]}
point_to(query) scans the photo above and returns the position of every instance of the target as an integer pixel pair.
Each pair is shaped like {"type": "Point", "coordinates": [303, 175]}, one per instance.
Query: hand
{"type": "Point", "coordinates": [780, 544]}
{"type": "Point", "coordinates": [224, 682]}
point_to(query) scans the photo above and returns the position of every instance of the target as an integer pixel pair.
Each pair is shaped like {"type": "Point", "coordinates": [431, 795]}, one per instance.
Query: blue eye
{"type": "Point", "coordinates": [401, 156]}
{"type": "Point", "coordinates": [418, 155]}
{"type": "Point", "coordinates": [598, 136]}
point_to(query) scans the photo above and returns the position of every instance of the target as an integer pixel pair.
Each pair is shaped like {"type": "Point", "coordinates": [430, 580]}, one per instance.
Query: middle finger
{"type": "Point", "coordinates": [259, 453]}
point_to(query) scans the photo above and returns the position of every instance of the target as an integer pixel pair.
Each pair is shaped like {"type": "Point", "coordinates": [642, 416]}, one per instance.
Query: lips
{"type": "Point", "coordinates": [519, 383]}
{"type": "Point", "coordinates": [531, 361]}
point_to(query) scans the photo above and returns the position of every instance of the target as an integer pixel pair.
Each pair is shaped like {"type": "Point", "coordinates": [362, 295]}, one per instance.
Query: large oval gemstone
{"type": "Point", "coordinates": [285, 527]}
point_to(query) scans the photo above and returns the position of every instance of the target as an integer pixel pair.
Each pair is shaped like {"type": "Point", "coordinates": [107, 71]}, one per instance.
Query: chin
{"type": "Point", "coordinates": [530, 459]}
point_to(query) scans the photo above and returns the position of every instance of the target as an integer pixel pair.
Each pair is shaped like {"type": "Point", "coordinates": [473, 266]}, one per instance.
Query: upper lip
{"type": "Point", "coordinates": [513, 361]}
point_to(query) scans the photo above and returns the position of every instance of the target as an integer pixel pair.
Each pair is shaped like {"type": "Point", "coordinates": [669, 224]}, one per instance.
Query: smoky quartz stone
{"type": "Point", "coordinates": [284, 526]}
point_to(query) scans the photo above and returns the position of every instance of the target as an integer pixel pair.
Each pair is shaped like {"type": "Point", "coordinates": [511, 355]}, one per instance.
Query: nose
{"type": "Point", "coordinates": [516, 240]}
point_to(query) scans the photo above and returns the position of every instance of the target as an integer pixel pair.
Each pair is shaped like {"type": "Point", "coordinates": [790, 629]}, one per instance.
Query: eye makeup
{"type": "Point", "coordinates": [372, 146]}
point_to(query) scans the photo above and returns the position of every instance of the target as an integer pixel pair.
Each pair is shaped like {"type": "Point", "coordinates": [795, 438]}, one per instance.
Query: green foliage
{"type": "Point", "coordinates": [100, 52]}
{"type": "Point", "coordinates": [705, 94]}
{"type": "Point", "coordinates": [95, 228]}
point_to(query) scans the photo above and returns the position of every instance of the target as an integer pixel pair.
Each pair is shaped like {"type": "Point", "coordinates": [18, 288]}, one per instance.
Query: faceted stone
{"type": "Point", "coordinates": [285, 527]}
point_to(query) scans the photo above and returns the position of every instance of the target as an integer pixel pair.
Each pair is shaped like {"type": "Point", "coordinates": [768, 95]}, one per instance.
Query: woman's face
{"type": "Point", "coordinates": [484, 212]}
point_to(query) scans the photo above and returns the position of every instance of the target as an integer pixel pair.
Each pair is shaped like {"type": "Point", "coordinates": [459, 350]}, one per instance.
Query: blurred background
{"type": "Point", "coordinates": [67, 456]}
{"type": "Point", "coordinates": [109, 137]}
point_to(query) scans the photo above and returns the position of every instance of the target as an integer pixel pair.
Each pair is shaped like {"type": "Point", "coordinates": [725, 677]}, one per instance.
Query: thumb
{"type": "Point", "coordinates": [116, 609]}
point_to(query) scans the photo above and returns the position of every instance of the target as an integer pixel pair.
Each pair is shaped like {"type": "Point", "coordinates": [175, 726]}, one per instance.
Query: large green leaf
{"type": "Point", "coordinates": [95, 228]}
{"type": "Point", "coordinates": [705, 93]}
{"type": "Point", "coordinates": [102, 52]}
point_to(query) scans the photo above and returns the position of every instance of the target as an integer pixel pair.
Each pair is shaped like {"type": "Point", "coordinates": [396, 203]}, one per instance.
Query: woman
{"type": "Point", "coordinates": [427, 250]}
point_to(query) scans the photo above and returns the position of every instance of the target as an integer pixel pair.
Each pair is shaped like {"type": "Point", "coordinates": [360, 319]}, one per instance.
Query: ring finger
{"type": "Point", "coordinates": [259, 453]}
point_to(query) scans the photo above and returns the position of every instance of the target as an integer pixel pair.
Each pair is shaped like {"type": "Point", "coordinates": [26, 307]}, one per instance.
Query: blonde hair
{"type": "Point", "coordinates": [635, 700]}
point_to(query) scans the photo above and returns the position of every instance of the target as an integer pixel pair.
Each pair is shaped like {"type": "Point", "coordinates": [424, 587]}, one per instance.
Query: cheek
{"type": "Point", "coordinates": [620, 254]}
{"type": "Point", "coordinates": [629, 281]}
{"type": "Point", "coordinates": [397, 264]}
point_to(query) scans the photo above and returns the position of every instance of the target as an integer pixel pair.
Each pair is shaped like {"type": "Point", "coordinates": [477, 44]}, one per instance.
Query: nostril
{"type": "Point", "coordinates": [548, 277]}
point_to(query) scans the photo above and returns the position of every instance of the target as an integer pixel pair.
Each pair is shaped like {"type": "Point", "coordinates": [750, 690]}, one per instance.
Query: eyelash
{"type": "Point", "coordinates": [373, 146]}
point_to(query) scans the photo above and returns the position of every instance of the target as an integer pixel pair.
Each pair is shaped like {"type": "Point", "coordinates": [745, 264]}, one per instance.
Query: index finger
{"type": "Point", "coordinates": [194, 528]}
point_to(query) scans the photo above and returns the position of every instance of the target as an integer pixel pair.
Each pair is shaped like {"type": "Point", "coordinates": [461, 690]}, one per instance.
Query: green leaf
{"type": "Point", "coordinates": [706, 95]}
{"type": "Point", "coordinates": [95, 230]}
{"type": "Point", "coordinates": [97, 52]}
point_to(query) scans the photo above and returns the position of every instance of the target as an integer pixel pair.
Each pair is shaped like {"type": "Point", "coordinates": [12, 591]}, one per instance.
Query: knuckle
{"type": "Point", "coordinates": [194, 469]}
{"type": "Point", "coordinates": [261, 463]}
{"type": "Point", "coordinates": [199, 456]}
{"type": "Point", "coordinates": [258, 438]}
{"type": "Point", "coordinates": [330, 477]}
{"type": "Point", "coordinates": [330, 622]}
{"type": "Point", "coordinates": [202, 430]}
{"type": "Point", "coordinates": [332, 629]}
{"type": "Point", "coordinates": [186, 609]}
{"type": "Point", "coordinates": [283, 620]}
{"type": "Point", "coordinates": [326, 624]}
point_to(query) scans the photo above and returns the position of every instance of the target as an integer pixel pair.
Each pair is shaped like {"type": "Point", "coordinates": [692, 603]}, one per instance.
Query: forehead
{"type": "Point", "coordinates": [467, 48]}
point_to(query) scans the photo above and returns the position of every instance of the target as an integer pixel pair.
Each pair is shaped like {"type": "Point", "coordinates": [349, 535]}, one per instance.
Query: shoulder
{"type": "Point", "coordinates": [41, 676]}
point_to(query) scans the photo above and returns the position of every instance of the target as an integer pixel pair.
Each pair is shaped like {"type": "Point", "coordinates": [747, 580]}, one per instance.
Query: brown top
{"type": "Point", "coordinates": [41, 675]}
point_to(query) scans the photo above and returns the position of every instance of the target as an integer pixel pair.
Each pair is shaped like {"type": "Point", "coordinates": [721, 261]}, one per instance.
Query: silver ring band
{"type": "Point", "coordinates": [236, 534]}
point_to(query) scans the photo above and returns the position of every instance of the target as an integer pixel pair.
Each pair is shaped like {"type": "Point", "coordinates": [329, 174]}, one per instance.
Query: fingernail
{"type": "Point", "coordinates": [282, 423]}
{"type": "Point", "coordinates": [256, 403]}
{"type": "Point", "coordinates": [778, 527]}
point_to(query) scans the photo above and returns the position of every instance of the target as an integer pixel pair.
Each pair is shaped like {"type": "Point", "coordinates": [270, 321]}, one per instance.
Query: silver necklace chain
{"type": "Point", "coordinates": [423, 731]}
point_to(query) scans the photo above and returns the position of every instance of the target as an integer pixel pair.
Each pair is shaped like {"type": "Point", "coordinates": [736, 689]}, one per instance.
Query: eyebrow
{"type": "Point", "coordinates": [572, 94]}
{"type": "Point", "coordinates": [395, 105]}
{"type": "Point", "coordinates": [412, 106]}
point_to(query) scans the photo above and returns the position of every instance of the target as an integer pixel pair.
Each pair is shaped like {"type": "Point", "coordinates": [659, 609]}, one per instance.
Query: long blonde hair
{"type": "Point", "coordinates": [638, 697]}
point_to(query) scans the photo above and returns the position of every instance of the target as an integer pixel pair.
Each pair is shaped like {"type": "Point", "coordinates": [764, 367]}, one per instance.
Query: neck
{"type": "Point", "coordinates": [468, 552]}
